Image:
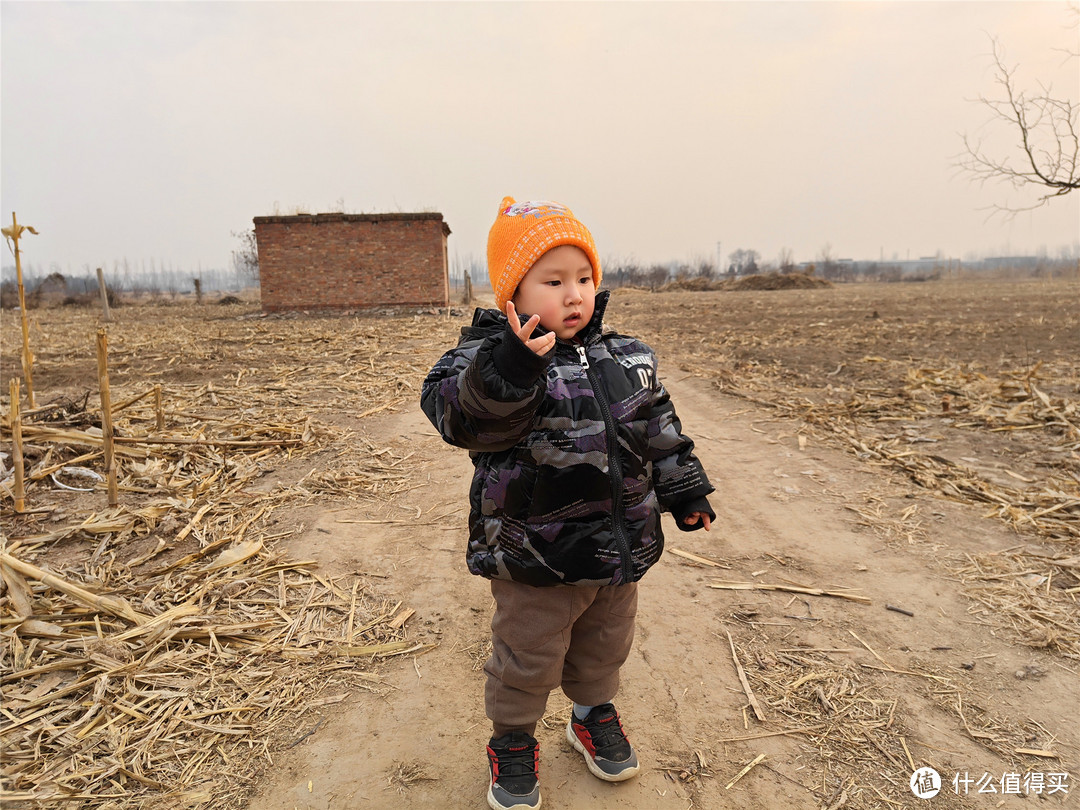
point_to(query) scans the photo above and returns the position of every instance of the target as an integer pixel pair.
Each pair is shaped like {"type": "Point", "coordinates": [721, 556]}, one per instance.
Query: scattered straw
{"type": "Point", "coordinates": [158, 652]}
{"type": "Point", "coordinates": [403, 775]}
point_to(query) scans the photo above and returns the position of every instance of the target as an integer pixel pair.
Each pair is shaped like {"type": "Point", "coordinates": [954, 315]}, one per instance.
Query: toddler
{"type": "Point", "coordinates": [577, 450]}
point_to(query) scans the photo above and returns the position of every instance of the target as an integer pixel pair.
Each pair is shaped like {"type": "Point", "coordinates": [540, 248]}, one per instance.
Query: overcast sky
{"type": "Point", "coordinates": [140, 130]}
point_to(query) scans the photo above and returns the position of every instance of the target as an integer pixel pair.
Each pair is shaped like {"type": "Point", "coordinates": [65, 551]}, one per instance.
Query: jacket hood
{"type": "Point", "coordinates": [488, 322]}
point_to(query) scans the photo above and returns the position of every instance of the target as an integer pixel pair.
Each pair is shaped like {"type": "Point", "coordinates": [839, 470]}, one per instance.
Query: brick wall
{"type": "Point", "coordinates": [346, 261]}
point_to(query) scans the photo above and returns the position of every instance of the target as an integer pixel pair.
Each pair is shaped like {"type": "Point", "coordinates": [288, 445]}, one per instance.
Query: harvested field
{"type": "Point", "coordinates": [972, 391]}
{"type": "Point", "coordinates": [170, 645]}
{"type": "Point", "coordinates": [763, 281]}
{"type": "Point", "coordinates": [281, 581]}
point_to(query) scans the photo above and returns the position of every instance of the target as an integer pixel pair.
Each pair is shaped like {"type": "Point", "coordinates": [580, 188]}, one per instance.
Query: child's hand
{"type": "Point", "coordinates": [694, 517]}
{"type": "Point", "coordinates": [541, 345]}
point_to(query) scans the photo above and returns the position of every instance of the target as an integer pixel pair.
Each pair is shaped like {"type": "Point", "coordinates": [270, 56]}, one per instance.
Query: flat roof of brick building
{"type": "Point", "coordinates": [319, 219]}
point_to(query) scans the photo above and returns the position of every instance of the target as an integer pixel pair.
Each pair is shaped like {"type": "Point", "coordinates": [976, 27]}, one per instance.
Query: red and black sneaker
{"type": "Point", "coordinates": [601, 740]}
{"type": "Point", "coordinates": [512, 761]}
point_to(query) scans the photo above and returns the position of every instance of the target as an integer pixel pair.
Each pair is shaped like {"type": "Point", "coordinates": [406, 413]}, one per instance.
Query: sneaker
{"type": "Point", "coordinates": [512, 762]}
{"type": "Point", "coordinates": [601, 740]}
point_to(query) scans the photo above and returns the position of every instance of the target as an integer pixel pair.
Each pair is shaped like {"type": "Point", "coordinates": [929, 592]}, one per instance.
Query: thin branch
{"type": "Point", "coordinates": [1046, 133]}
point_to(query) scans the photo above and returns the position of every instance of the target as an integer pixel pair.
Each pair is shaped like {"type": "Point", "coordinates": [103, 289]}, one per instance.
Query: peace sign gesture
{"type": "Point", "coordinates": [541, 345]}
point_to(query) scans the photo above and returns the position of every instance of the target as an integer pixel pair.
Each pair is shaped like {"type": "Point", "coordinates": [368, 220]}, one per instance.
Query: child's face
{"type": "Point", "coordinates": [559, 288]}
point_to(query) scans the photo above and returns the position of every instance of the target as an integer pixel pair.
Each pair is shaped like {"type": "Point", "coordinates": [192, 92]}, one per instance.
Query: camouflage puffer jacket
{"type": "Point", "coordinates": [576, 452]}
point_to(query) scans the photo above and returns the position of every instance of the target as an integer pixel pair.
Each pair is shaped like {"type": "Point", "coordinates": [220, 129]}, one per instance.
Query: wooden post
{"type": "Point", "coordinates": [16, 446]}
{"type": "Point", "coordinates": [13, 233]}
{"type": "Point", "coordinates": [446, 275]}
{"type": "Point", "coordinates": [106, 414]}
{"type": "Point", "coordinates": [159, 411]}
{"type": "Point", "coordinates": [198, 290]}
{"type": "Point", "coordinates": [468, 288]}
{"type": "Point", "coordinates": [104, 295]}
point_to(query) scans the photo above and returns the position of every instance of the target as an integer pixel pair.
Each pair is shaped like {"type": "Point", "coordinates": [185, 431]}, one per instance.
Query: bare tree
{"type": "Point", "coordinates": [246, 257]}
{"type": "Point", "coordinates": [1044, 133]}
{"type": "Point", "coordinates": [827, 262]}
{"type": "Point", "coordinates": [786, 260]}
{"type": "Point", "coordinates": [744, 262]}
{"type": "Point", "coordinates": [704, 267]}
{"type": "Point", "coordinates": [655, 276]}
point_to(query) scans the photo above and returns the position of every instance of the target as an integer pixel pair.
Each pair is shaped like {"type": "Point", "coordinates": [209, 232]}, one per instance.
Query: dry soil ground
{"type": "Point", "coordinates": [979, 668]}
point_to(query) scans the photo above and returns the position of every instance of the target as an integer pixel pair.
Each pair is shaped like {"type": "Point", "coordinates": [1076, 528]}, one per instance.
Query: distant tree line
{"type": "Point", "coordinates": [619, 272]}
{"type": "Point", "coordinates": [158, 279]}
{"type": "Point", "coordinates": [122, 279]}
{"type": "Point", "coordinates": [151, 279]}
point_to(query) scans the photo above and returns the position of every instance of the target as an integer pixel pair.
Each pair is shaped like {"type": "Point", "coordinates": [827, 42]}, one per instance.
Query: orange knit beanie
{"type": "Point", "coordinates": [525, 231]}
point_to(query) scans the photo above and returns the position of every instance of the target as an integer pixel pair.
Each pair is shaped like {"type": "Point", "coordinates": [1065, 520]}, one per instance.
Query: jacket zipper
{"type": "Point", "coordinates": [614, 467]}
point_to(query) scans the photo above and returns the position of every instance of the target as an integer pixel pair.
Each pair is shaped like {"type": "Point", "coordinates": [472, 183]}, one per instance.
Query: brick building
{"type": "Point", "coordinates": [347, 261]}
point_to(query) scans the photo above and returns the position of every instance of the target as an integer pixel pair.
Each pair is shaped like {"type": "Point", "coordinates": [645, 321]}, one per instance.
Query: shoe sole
{"type": "Point", "coordinates": [494, 805]}
{"type": "Point", "coordinates": [595, 769]}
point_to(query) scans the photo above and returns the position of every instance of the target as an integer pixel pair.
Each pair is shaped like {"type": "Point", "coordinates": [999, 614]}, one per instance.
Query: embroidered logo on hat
{"type": "Point", "coordinates": [536, 208]}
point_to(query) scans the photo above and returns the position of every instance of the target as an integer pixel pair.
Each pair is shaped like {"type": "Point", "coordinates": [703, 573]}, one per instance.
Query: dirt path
{"type": "Point", "coordinates": [782, 517]}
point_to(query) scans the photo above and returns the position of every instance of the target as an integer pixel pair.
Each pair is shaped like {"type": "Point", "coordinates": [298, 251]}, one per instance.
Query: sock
{"type": "Point", "coordinates": [581, 711]}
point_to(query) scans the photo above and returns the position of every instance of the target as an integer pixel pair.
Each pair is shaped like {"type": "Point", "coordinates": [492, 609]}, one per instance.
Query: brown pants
{"type": "Point", "coordinates": [573, 636]}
